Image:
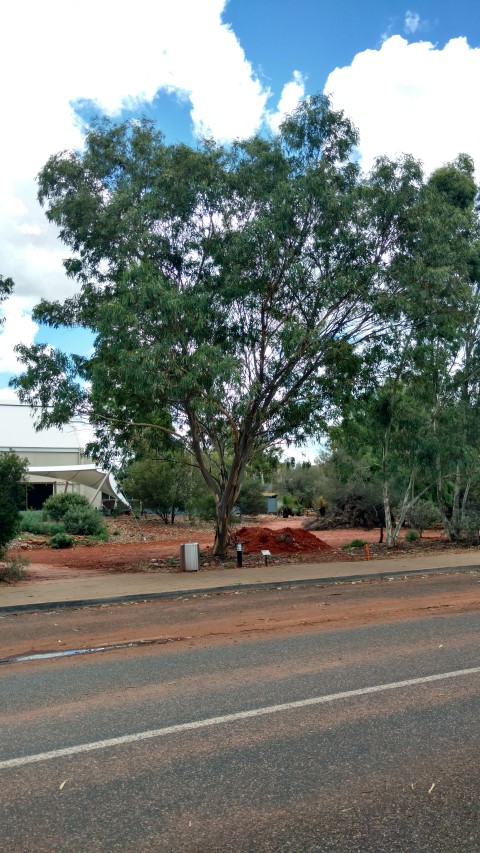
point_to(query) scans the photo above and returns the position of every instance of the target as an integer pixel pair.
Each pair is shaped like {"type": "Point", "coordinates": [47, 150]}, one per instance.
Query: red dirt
{"type": "Point", "coordinates": [150, 545]}
{"type": "Point", "coordinates": [287, 540]}
{"type": "Point", "coordinates": [213, 618]}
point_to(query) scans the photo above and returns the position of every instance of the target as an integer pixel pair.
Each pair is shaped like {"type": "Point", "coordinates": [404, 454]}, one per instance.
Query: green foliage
{"type": "Point", "coordinates": [56, 506]}
{"type": "Point", "coordinates": [61, 540]}
{"type": "Point", "coordinates": [83, 521]}
{"type": "Point", "coordinates": [412, 535]}
{"type": "Point", "coordinates": [100, 536]}
{"type": "Point", "coordinates": [35, 521]}
{"type": "Point", "coordinates": [303, 483]}
{"type": "Point", "coordinates": [13, 569]}
{"type": "Point", "coordinates": [6, 288]}
{"type": "Point", "coordinates": [12, 492]}
{"type": "Point", "coordinates": [471, 523]}
{"type": "Point", "coordinates": [251, 501]}
{"type": "Point", "coordinates": [236, 293]}
{"type": "Point", "coordinates": [355, 543]}
{"type": "Point", "coordinates": [162, 486]}
{"type": "Point", "coordinates": [202, 506]}
{"type": "Point", "coordinates": [422, 515]}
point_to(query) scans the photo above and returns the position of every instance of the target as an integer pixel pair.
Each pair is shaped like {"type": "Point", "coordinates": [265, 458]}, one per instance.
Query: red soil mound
{"type": "Point", "coordinates": [285, 541]}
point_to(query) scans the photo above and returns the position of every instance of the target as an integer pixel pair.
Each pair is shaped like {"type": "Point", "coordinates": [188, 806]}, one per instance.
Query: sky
{"type": "Point", "coordinates": [407, 75]}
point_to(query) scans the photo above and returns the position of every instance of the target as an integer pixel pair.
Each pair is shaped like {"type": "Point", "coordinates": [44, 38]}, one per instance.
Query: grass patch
{"type": "Point", "coordinates": [355, 543]}
{"type": "Point", "coordinates": [13, 569]}
{"type": "Point", "coordinates": [35, 521]}
{"type": "Point", "coordinates": [412, 536]}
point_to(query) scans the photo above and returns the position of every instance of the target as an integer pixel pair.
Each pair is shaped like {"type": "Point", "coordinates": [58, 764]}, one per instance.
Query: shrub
{"type": "Point", "coordinates": [12, 491]}
{"type": "Point", "coordinates": [251, 500]}
{"type": "Point", "coordinates": [422, 515]}
{"type": "Point", "coordinates": [83, 521]}
{"type": "Point", "coordinates": [34, 521]}
{"type": "Point", "coordinates": [57, 506]}
{"type": "Point", "coordinates": [471, 525]}
{"type": "Point", "coordinates": [61, 540]}
{"type": "Point", "coordinates": [355, 543]}
{"type": "Point", "coordinates": [202, 506]}
{"type": "Point", "coordinates": [412, 536]}
{"type": "Point", "coordinates": [101, 536]}
{"type": "Point", "coordinates": [13, 569]}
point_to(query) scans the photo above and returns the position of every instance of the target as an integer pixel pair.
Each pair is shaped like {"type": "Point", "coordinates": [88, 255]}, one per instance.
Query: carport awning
{"type": "Point", "coordinates": [84, 475]}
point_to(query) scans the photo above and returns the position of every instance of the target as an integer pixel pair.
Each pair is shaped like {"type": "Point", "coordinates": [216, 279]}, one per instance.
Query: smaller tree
{"type": "Point", "coordinates": [304, 482]}
{"type": "Point", "coordinates": [162, 486]}
{"type": "Point", "coordinates": [12, 493]}
{"type": "Point", "coordinates": [422, 515]}
{"type": "Point", "coordinates": [251, 501]}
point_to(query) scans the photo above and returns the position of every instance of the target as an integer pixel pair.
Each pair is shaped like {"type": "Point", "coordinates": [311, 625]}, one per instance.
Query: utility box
{"type": "Point", "coordinates": [190, 557]}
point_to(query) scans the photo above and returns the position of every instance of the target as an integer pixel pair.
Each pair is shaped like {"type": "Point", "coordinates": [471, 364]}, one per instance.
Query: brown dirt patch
{"type": "Point", "coordinates": [208, 618]}
{"type": "Point", "coordinates": [148, 545]}
{"type": "Point", "coordinates": [287, 540]}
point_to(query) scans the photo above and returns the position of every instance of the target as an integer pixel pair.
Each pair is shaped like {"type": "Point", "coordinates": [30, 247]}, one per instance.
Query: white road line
{"type": "Point", "coordinates": [229, 718]}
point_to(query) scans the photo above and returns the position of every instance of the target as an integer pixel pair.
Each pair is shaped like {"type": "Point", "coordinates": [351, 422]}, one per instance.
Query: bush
{"type": "Point", "coordinates": [251, 500]}
{"type": "Point", "coordinates": [61, 540]}
{"type": "Point", "coordinates": [101, 536]}
{"type": "Point", "coordinates": [412, 536]}
{"type": "Point", "coordinates": [83, 521]}
{"type": "Point", "coordinates": [13, 569]}
{"type": "Point", "coordinates": [34, 521]}
{"type": "Point", "coordinates": [57, 506]}
{"type": "Point", "coordinates": [12, 492]}
{"type": "Point", "coordinates": [202, 506]}
{"type": "Point", "coordinates": [471, 525]}
{"type": "Point", "coordinates": [422, 515]}
{"type": "Point", "coordinates": [355, 543]}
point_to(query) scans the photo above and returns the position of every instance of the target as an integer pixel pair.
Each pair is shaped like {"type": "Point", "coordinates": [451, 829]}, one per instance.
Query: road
{"type": "Point", "coordinates": [394, 769]}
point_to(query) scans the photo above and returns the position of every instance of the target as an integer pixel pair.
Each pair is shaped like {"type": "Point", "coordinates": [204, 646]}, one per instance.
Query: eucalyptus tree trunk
{"type": "Point", "coordinates": [223, 508]}
{"type": "Point", "coordinates": [407, 502]}
{"type": "Point", "coordinates": [449, 529]}
{"type": "Point", "coordinates": [464, 503]}
{"type": "Point", "coordinates": [456, 509]}
{"type": "Point", "coordinates": [388, 515]}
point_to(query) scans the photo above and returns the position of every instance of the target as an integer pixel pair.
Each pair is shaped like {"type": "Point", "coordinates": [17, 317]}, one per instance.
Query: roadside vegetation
{"type": "Point", "coordinates": [12, 491]}
{"type": "Point", "coordinates": [64, 516]}
{"type": "Point", "coordinates": [262, 294]}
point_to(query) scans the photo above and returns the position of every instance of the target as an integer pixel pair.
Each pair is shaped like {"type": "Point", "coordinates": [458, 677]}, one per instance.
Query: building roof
{"type": "Point", "coordinates": [17, 431]}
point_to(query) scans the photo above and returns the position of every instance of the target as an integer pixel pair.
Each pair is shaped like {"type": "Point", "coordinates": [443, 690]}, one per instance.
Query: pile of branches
{"type": "Point", "coordinates": [352, 512]}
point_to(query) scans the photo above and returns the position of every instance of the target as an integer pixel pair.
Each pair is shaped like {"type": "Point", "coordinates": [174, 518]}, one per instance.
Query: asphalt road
{"type": "Point", "coordinates": [395, 769]}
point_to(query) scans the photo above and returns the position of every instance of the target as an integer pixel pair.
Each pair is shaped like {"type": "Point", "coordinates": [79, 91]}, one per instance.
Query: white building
{"type": "Point", "coordinates": [56, 461]}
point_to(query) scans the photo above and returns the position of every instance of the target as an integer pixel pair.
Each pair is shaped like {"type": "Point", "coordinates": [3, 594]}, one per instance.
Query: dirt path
{"type": "Point", "coordinates": [211, 617]}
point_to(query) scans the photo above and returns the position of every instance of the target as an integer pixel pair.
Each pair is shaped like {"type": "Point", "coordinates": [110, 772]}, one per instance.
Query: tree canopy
{"type": "Point", "coordinates": [12, 495]}
{"type": "Point", "coordinates": [6, 288]}
{"type": "Point", "coordinates": [234, 292]}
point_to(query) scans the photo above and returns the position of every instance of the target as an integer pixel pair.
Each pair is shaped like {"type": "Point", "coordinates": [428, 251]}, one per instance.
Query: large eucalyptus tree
{"type": "Point", "coordinates": [233, 291]}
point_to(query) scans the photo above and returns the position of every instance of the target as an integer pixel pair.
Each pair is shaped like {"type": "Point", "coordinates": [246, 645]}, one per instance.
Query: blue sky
{"type": "Point", "coordinates": [407, 74]}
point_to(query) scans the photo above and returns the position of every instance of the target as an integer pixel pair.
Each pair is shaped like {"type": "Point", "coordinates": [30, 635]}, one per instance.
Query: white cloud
{"type": "Point", "coordinates": [412, 98]}
{"type": "Point", "coordinates": [18, 327]}
{"type": "Point", "coordinates": [412, 22]}
{"type": "Point", "coordinates": [292, 94]}
{"type": "Point", "coordinates": [115, 53]}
